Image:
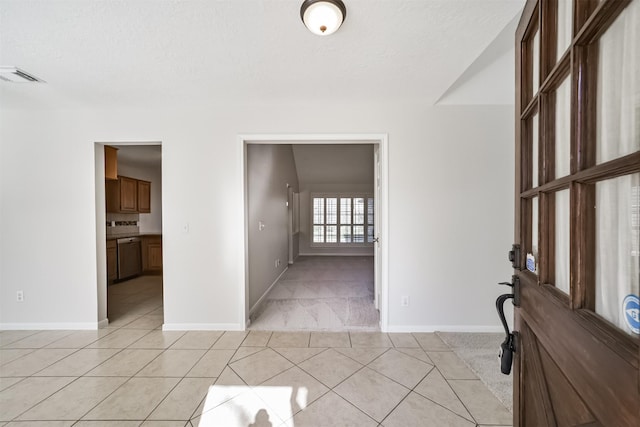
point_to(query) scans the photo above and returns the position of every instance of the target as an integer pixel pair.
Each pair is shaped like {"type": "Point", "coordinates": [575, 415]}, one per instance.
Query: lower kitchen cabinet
{"type": "Point", "coordinates": [152, 254]}
{"type": "Point", "coordinates": [112, 260]}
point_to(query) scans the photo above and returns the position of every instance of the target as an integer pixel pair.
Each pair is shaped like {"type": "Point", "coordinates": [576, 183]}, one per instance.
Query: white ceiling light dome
{"type": "Point", "coordinates": [323, 17]}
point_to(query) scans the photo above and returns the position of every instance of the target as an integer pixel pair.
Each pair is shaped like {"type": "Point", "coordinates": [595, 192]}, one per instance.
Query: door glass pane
{"type": "Point", "coordinates": [358, 210]}
{"type": "Point", "coordinates": [318, 211]}
{"type": "Point", "coordinates": [562, 240]}
{"type": "Point", "coordinates": [332, 234]}
{"type": "Point", "coordinates": [618, 251]}
{"type": "Point", "coordinates": [618, 99]}
{"type": "Point", "coordinates": [563, 129]}
{"type": "Point", "coordinates": [345, 234]}
{"type": "Point", "coordinates": [534, 237]}
{"type": "Point", "coordinates": [565, 25]}
{"type": "Point", "coordinates": [535, 150]}
{"type": "Point", "coordinates": [536, 63]}
{"type": "Point", "coordinates": [345, 210]}
{"type": "Point", "coordinates": [318, 234]}
{"type": "Point", "coordinates": [332, 210]}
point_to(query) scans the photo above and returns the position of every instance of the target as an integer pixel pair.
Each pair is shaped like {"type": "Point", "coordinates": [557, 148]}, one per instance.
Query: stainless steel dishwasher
{"type": "Point", "coordinates": [129, 257]}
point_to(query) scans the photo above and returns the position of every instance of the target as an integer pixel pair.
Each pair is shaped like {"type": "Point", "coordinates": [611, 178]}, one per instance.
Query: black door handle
{"type": "Point", "coordinates": [507, 348]}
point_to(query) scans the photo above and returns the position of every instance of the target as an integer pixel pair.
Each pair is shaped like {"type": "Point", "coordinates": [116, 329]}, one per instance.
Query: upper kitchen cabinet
{"type": "Point", "coordinates": [128, 195]}
{"type": "Point", "coordinates": [110, 162]}
{"type": "Point", "coordinates": [144, 196]}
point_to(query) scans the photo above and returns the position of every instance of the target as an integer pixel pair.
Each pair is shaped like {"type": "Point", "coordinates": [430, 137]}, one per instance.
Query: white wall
{"type": "Point", "coordinates": [305, 218]}
{"type": "Point", "coordinates": [269, 169]}
{"type": "Point", "coordinates": [450, 207]}
{"type": "Point", "coordinates": [149, 222]}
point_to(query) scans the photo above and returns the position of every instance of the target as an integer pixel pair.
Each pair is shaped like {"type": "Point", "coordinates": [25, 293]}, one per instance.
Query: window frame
{"type": "Point", "coordinates": [339, 224]}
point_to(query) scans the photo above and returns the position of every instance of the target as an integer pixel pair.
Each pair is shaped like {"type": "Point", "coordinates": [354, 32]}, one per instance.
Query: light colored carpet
{"type": "Point", "coordinates": [480, 352]}
{"type": "Point", "coordinates": [321, 294]}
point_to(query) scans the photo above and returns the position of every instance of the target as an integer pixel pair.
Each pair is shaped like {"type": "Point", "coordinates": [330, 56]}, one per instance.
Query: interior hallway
{"type": "Point", "coordinates": [134, 374]}
{"type": "Point", "coordinates": [321, 293]}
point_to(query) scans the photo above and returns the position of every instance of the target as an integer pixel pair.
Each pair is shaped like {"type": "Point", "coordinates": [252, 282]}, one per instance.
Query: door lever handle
{"type": "Point", "coordinates": [507, 348]}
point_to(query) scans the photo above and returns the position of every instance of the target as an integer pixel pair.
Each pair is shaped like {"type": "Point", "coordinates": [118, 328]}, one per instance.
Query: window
{"type": "Point", "coordinates": [342, 219]}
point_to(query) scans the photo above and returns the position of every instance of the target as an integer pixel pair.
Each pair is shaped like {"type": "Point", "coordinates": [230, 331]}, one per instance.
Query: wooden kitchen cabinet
{"type": "Point", "coordinates": [110, 162]}
{"type": "Point", "coordinates": [144, 196]}
{"type": "Point", "coordinates": [128, 195]}
{"type": "Point", "coordinates": [152, 254]}
{"type": "Point", "coordinates": [112, 261]}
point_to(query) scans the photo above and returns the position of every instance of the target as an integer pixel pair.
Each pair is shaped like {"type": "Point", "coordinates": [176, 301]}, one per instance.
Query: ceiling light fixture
{"type": "Point", "coordinates": [323, 17]}
{"type": "Point", "coordinates": [16, 75]}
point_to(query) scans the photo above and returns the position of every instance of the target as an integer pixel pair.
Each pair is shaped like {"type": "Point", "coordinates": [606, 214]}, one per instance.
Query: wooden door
{"type": "Point", "coordinates": [577, 213]}
{"type": "Point", "coordinates": [144, 196]}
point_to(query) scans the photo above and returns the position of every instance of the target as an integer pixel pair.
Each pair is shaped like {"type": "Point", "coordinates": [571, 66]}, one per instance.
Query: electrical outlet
{"type": "Point", "coordinates": [20, 296]}
{"type": "Point", "coordinates": [404, 301]}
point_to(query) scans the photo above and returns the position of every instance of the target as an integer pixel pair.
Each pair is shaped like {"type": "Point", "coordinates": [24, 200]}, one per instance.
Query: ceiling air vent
{"type": "Point", "coordinates": [16, 75]}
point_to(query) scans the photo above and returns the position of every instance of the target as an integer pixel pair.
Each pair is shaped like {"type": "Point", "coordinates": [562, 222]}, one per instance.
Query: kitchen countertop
{"type": "Point", "coordinates": [123, 235]}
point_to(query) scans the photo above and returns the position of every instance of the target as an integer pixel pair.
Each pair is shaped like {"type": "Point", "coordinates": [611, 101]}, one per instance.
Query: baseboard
{"type": "Point", "coordinates": [256, 306]}
{"type": "Point", "coordinates": [444, 328]}
{"type": "Point", "coordinates": [335, 254]}
{"type": "Point", "coordinates": [103, 323]}
{"type": "Point", "coordinates": [84, 326]}
{"type": "Point", "coordinates": [202, 327]}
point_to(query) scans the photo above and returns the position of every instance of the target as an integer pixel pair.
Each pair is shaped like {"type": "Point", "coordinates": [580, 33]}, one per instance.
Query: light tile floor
{"type": "Point", "coordinates": [134, 374]}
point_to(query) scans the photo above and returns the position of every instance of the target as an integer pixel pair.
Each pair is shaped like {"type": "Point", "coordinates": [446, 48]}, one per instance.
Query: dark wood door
{"type": "Point", "coordinates": [577, 213]}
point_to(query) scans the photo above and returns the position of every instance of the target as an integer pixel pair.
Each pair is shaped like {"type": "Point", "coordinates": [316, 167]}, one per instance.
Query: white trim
{"type": "Point", "coordinates": [445, 328]}
{"type": "Point", "coordinates": [382, 139]}
{"type": "Point", "coordinates": [371, 254]}
{"type": "Point", "coordinates": [49, 326]}
{"type": "Point", "coordinates": [257, 304]}
{"type": "Point", "coordinates": [103, 323]}
{"type": "Point", "coordinates": [202, 327]}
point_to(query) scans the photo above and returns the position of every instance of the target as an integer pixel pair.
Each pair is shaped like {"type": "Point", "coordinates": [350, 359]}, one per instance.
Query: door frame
{"type": "Point", "coordinates": [382, 222]}
{"type": "Point", "coordinates": [101, 218]}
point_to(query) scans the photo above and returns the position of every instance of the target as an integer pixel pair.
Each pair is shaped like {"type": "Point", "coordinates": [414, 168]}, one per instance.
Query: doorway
{"type": "Point", "coordinates": [129, 234]}
{"type": "Point", "coordinates": [379, 143]}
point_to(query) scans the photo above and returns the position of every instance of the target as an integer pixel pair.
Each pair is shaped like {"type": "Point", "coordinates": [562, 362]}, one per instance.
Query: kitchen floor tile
{"type": "Point", "coordinates": [8, 337]}
{"type": "Point", "coordinates": [124, 364]}
{"type": "Point", "coordinates": [33, 362]}
{"type": "Point", "coordinates": [211, 364]}
{"type": "Point", "coordinates": [430, 342]}
{"type": "Point", "coordinates": [158, 340]}
{"type": "Point", "coordinates": [372, 393]}
{"type": "Point", "coordinates": [183, 400]}
{"type": "Point", "coordinates": [330, 339]}
{"type": "Point", "coordinates": [227, 386]}
{"type": "Point", "coordinates": [241, 411]}
{"type": "Point", "coordinates": [483, 405]}
{"type": "Point", "coordinates": [243, 352]}
{"type": "Point", "coordinates": [110, 423]}
{"type": "Point", "coordinates": [172, 363]}
{"type": "Point", "coordinates": [230, 340]}
{"type": "Point", "coordinates": [289, 339]}
{"type": "Point", "coordinates": [290, 392]}
{"type": "Point", "coordinates": [404, 340]}
{"type": "Point", "coordinates": [298, 355]}
{"type": "Point", "coordinates": [450, 365]}
{"type": "Point", "coordinates": [197, 340]}
{"type": "Point", "coordinates": [261, 366]}
{"type": "Point", "coordinates": [150, 423]}
{"type": "Point", "coordinates": [39, 339]}
{"type": "Point", "coordinates": [401, 368]}
{"type": "Point", "coordinates": [332, 410]}
{"type": "Point", "coordinates": [7, 355]}
{"type": "Point", "coordinates": [134, 400]}
{"type": "Point", "coordinates": [145, 322]}
{"type": "Point", "coordinates": [80, 339]}
{"type": "Point", "coordinates": [121, 338]}
{"type": "Point", "coordinates": [38, 424]}
{"type": "Point", "coordinates": [27, 393]}
{"type": "Point", "coordinates": [6, 382]}
{"type": "Point", "coordinates": [257, 339]}
{"type": "Point", "coordinates": [415, 410]}
{"type": "Point", "coordinates": [330, 367]}
{"type": "Point", "coordinates": [78, 363]}
{"type": "Point", "coordinates": [418, 353]}
{"type": "Point", "coordinates": [362, 355]}
{"type": "Point", "coordinates": [370, 339]}
{"type": "Point", "coordinates": [75, 400]}
{"type": "Point", "coordinates": [437, 389]}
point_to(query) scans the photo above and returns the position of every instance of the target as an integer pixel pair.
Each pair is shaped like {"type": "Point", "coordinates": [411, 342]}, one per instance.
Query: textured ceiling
{"type": "Point", "coordinates": [172, 52]}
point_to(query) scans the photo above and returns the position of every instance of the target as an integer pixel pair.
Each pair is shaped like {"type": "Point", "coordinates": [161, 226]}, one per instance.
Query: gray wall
{"type": "Point", "coordinates": [269, 168]}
